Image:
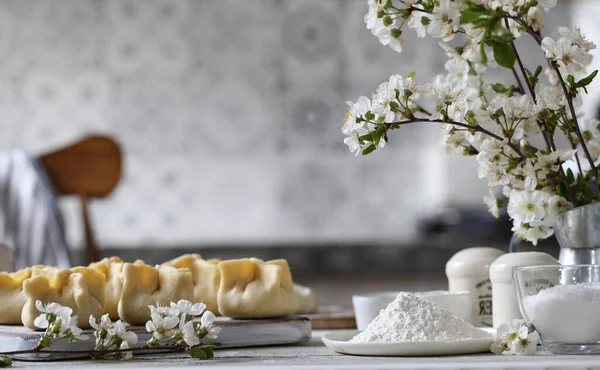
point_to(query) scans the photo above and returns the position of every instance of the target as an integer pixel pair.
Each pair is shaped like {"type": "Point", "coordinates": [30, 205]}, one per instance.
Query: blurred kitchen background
{"type": "Point", "coordinates": [229, 115]}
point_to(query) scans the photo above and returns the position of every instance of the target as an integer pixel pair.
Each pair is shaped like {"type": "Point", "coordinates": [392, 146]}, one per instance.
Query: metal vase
{"type": "Point", "coordinates": [578, 234]}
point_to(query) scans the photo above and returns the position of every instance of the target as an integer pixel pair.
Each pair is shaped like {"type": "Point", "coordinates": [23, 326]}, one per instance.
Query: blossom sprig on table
{"type": "Point", "coordinates": [179, 327]}
{"type": "Point", "coordinates": [515, 339]}
{"type": "Point", "coordinates": [512, 128]}
{"type": "Point", "coordinates": [175, 324]}
{"type": "Point", "coordinates": [111, 336]}
{"type": "Point", "coordinates": [59, 322]}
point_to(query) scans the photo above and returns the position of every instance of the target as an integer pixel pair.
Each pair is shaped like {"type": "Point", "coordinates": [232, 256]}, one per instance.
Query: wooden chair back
{"type": "Point", "coordinates": [90, 168]}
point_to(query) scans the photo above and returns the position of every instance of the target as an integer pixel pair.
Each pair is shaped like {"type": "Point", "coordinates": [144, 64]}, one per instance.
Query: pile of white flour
{"type": "Point", "coordinates": [566, 313]}
{"type": "Point", "coordinates": [412, 319]}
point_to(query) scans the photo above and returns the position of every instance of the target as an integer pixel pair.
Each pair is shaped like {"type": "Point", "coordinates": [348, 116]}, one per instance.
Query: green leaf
{"type": "Point", "coordinates": [587, 80]}
{"type": "Point", "coordinates": [571, 79]}
{"type": "Point", "coordinates": [5, 361]}
{"type": "Point", "coordinates": [472, 15]}
{"type": "Point", "coordinates": [504, 54]}
{"type": "Point", "coordinates": [499, 88]}
{"type": "Point", "coordinates": [368, 149]}
{"type": "Point", "coordinates": [411, 74]}
{"type": "Point", "coordinates": [570, 176]}
{"type": "Point", "coordinates": [560, 189]}
{"type": "Point", "coordinates": [202, 352]}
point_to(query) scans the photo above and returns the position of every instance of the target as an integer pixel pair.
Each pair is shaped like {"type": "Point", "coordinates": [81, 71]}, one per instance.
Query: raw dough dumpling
{"type": "Point", "coordinates": [79, 288]}
{"type": "Point", "coordinates": [307, 301]}
{"type": "Point", "coordinates": [12, 299]}
{"type": "Point", "coordinates": [206, 277]}
{"type": "Point", "coordinates": [145, 285]}
{"type": "Point", "coordinates": [252, 288]}
{"type": "Point", "coordinates": [112, 268]}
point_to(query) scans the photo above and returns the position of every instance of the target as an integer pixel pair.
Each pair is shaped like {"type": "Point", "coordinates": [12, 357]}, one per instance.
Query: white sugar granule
{"type": "Point", "coordinates": [412, 319]}
{"type": "Point", "coordinates": [566, 313]}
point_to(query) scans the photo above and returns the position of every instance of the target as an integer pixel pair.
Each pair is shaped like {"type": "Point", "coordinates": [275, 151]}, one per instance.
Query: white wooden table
{"type": "Point", "coordinates": [314, 355]}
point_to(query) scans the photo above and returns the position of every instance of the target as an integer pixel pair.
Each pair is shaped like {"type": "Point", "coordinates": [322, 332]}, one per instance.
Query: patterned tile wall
{"type": "Point", "coordinates": [229, 113]}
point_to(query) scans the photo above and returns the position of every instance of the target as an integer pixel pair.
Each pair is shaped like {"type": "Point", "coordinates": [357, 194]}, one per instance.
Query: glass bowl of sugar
{"type": "Point", "coordinates": [563, 304]}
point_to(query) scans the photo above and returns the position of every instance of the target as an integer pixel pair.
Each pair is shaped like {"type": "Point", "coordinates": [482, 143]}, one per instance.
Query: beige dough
{"type": "Point", "coordinates": [206, 277]}
{"type": "Point", "coordinates": [112, 268]}
{"type": "Point", "coordinates": [80, 288]}
{"type": "Point", "coordinates": [252, 288]}
{"type": "Point", "coordinates": [12, 299]}
{"type": "Point", "coordinates": [145, 285]}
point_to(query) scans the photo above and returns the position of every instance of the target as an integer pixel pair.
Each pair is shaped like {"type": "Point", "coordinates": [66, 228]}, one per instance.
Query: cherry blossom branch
{"type": "Point", "coordinates": [563, 85]}
{"type": "Point", "coordinates": [454, 123]}
{"type": "Point", "coordinates": [175, 348]}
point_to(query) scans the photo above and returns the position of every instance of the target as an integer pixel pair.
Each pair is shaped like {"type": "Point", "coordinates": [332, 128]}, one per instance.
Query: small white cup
{"type": "Point", "coordinates": [368, 306]}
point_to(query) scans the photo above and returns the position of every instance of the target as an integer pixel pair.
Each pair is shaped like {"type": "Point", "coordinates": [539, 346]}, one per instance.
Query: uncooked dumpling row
{"type": "Point", "coordinates": [252, 288]}
{"type": "Point", "coordinates": [242, 288]}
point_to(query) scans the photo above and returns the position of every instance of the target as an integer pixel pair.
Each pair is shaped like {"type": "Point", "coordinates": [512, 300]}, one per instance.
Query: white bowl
{"type": "Point", "coordinates": [367, 306]}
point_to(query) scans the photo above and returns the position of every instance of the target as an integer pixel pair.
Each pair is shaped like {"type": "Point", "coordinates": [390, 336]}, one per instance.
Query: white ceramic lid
{"type": "Point", "coordinates": [472, 262]}
{"type": "Point", "coordinates": [501, 269]}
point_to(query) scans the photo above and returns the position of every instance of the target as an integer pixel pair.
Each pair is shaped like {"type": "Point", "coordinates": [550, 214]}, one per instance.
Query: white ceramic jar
{"type": "Point", "coordinates": [504, 293]}
{"type": "Point", "coordinates": [468, 270]}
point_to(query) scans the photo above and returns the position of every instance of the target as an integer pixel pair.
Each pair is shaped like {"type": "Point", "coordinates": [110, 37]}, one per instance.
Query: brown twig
{"type": "Point", "coordinates": [94, 352]}
{"type": "Point", "coordinates": [475, 128]}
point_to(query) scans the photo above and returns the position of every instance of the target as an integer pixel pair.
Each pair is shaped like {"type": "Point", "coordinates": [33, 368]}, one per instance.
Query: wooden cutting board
{"type": "Point", "coordinates": [332, 317]}
{"type": "Point", "coordinates": [234, 334]}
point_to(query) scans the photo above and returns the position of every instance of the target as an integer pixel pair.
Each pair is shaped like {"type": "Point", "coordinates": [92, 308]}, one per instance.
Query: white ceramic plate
{"type": "Point", "coordinates": [339, 342]}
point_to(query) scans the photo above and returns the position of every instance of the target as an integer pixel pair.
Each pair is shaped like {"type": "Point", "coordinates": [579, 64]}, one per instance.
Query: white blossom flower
{"type": "Point", "coordinates": [51, 308]}
{"type": "Point", "coordinates": [526, 206]}
{"type": "Point", "coordinates": [559, 205]}
{"type": "Point", "coordinates": [515, 339]}
{"type": "Point", "coordinates": [569, 57]}
{"type": "Point", "coordinates": [445, 20]}
{"type": "Point", "coordinates": [207, 322]}
{"type": "Point", "coordinates": [574, 37]}
{"type": "Point", "coordinates": [160, 326]}
{"type": "Point", "coordinates": [103, 324]}
{"type": "Point", "coordinates": [551, 97]}
{"type": "Point", "coordinates": [70, 330]}
{"type": "Point", "coordinates": [353, 140]}
{"type": "Point", "coordinates": [492, 204]}
{"type": "Point", "coordinates": [525, 346]}
{"type": "Point", "coordinates": [508, 333]}
{"type": "Point", "coordinates": [418, 21]}
{"type": "Point", "coordinates": [119, 330]}
{"type": "Point", "coordinates": [449, 99]}
{"type": "Point", "coordinates": [390, 36]}
{"type": "Point", "coordinates": [186, 307]}
{"type": "Point", "coordinates": [383, 99]}
{"type": "Point", "coordinates": [356, 110]}
{"type": "Point", "coordinates": [189, 333]}
{"type": "Point", "coordinates": [536, 230]}
{"type": "Point", "coordinates": [454, 142]}
{"type": "Point", "coordinates": [164, 310]}
{"type": "Point", "coordinates": [372, 17]}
